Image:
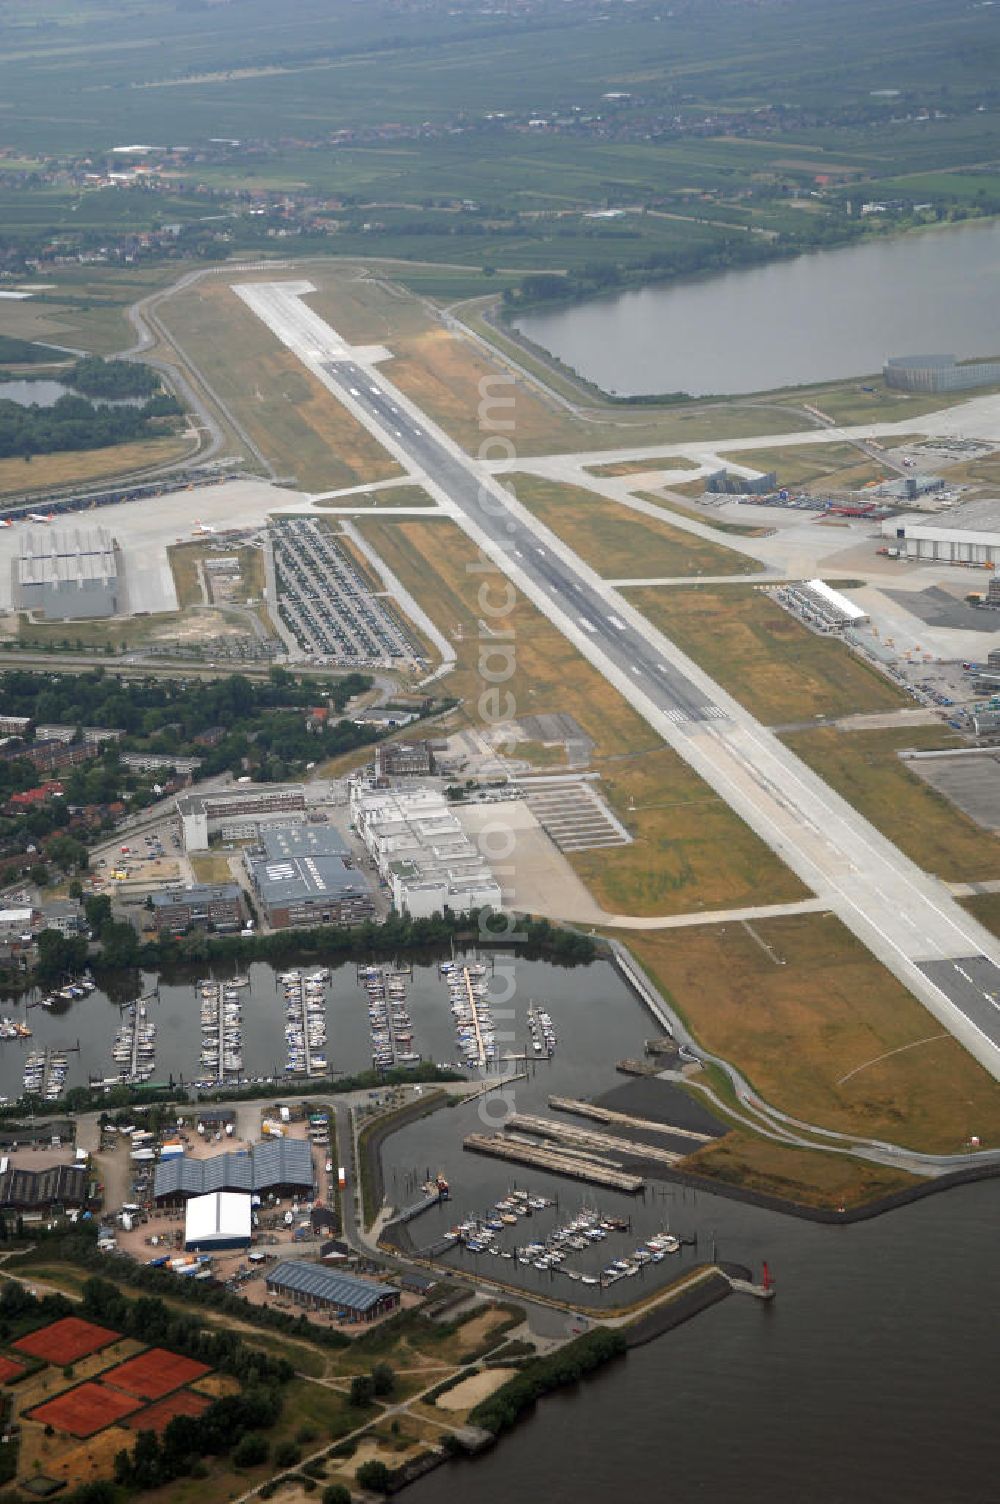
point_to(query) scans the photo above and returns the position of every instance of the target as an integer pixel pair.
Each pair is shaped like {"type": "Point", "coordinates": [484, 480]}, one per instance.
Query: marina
{"type": "Point", "coordinates": [593, 1010]}
{"type": "Point", "coordinates": [305, 1022]}
{"type": "Point", "coordinates": [390, 1023]}
{"type": "Point", "coordinates": [474, 1026]}
{"type": "Point", "coordinates": [542, 1031]}
{"type": "Point", "coordinates": [220, 1061]}
{"type": "Point", "coordinates": [134, 1048]}
{"type": "Point", "coordinates": [45, 1073]}
{"type": "Point", "coordinates": [554, 1251]}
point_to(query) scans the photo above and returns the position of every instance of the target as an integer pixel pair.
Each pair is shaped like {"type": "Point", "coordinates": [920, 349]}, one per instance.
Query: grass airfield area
{"type": "Point", "coordinates": [764, 656]}
{"type": "Point", "coordinates": [823, 1031]}
{"type": "Point", "coordinates": [618, 542]}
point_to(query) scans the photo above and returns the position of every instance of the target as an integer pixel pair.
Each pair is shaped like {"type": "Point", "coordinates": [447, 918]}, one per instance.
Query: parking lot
{"type": "Point", "coordinates": [328, 606]}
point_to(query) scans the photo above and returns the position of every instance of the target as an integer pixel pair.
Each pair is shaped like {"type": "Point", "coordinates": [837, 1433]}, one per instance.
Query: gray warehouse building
{"type": "Point", "coordinates": [68, 573]}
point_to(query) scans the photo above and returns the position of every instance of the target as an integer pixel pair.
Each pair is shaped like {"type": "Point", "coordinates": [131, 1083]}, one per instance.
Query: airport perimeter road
{"type": "Point", "coordinates": [902, 915]}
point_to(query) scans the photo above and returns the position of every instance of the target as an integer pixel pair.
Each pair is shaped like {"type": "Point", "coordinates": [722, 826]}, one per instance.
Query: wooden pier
{"type": "Point", "coordinates": [623, 1119]}
{"type": "Point", "coordinates": [558, 1160]}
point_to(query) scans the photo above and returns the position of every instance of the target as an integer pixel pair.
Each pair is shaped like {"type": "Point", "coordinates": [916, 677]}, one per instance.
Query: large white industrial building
{"type": "Point", "coordinates": [421, 852]}
{"type": "Point", "coordinates": [968, 534]}
{"type": "Point", "coordinates": [221, 1220]}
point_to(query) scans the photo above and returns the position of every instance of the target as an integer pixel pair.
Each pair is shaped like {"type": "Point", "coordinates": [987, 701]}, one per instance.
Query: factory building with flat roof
{"type": "Point", "coordinates": [68, 573]}
{"type": "Point", "coordinates": [968, 534]}
{"type": "Point", "coordinates": [304, 875]}
{"type": "Point", "coordinates": [422, 853]}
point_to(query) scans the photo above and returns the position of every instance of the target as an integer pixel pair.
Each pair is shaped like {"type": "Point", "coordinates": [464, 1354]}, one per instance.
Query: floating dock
{"type": "Point", "coordinates": [45, 1073]}
{"type": "Point", "coordinates": [221, 1058]}
{"type": "Point", "coordinates": [588, 1140]}
{"type": "Point", "coordinates": [305, 1022]}
{"type": "Point", "coordinates": [558, 1160]}
{"type": "Point", "coordinates": [623, 1119]}
{"type": "Point", "coordinates": [134, 1049]}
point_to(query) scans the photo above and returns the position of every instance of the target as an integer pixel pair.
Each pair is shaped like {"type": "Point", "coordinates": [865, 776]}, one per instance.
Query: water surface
{"type": "Point", "coordinates": [819, 317]}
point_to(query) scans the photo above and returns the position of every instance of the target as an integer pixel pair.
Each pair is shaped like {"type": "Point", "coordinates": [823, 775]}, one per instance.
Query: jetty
{"type": "Point", "coordinates": [624, 1119]}
{"type": "Point", "coordinates": [558, 1160]}
{"type": "Point", "coordinates": [587, 1139]}
{"type": "Point", "coordinates": [134, 1048]}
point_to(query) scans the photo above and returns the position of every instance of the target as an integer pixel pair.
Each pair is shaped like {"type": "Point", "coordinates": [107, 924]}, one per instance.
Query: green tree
{"type": "Point", "coordinates": [251, 1451]}
{"type": "Point", "coordinates": [362, 1389]}
{"type": "Point", "coordinates": [383, 1379]}
{"type": "Point", "coordinates": [337, 1493]}
{"type": "Point", "coordinates": [374, 1475]}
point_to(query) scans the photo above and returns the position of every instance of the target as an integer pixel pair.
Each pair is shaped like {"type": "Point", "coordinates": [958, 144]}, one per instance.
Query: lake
{"type": "Point", "coordinates": [820, 317]}
{"type": "Point", "coordinates": [46, 393]}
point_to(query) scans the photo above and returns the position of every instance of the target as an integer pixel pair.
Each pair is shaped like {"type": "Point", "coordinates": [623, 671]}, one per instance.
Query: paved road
{"type": "Point", "coordinates": [904, 916]}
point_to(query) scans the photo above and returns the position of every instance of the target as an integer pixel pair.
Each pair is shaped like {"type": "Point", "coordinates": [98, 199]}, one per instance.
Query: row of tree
{"type": "Point", "coordinates": [74, 423]}
{"type": "Point", "coordinates": [570, 1363]}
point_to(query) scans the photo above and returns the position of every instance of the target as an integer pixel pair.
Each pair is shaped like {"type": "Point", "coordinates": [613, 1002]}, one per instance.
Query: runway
{"type": "Point", "coordinates": [904, 916]}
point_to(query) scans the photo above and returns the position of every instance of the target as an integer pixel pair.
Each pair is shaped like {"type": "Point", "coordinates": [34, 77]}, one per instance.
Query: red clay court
{"type": "Point", "coordinates": [10, 1370]}
{"type": "Point", "coordinates": [67, 1340]}
{"type": "Point", "coordinates": [154, 1373]}
{"type": "Point", "coordinates": [88, 1408]}
{"type": "Point", "coordinates": [157, 1417]}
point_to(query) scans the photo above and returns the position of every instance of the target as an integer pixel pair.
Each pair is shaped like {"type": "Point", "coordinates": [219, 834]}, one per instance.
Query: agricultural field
{"type": "Point", "coordinates": [690, 850]}
{"type": "Point", "coordinates": [619, 543]}
{"type": "Point", "coordinates": [84, 308]}
{"type": "Point", "coordinates": [764, 656]}
{"type": "Point", "coordinates": [865, 768]}
{"type": "Point", "coordinates": [823, 1031]}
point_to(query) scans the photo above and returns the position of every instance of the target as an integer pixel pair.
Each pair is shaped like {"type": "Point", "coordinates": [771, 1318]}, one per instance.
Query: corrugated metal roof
{"type": "Point", "coordinates": [280, 1161]}
{"type": "Point", "coordinates": [328, 1284]}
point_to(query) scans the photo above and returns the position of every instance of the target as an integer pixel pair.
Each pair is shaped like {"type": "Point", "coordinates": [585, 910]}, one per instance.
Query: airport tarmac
{"type": "Point", "coordinates": [903, 915]}
{"type": "Point", "coordinates": [146, 529]}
